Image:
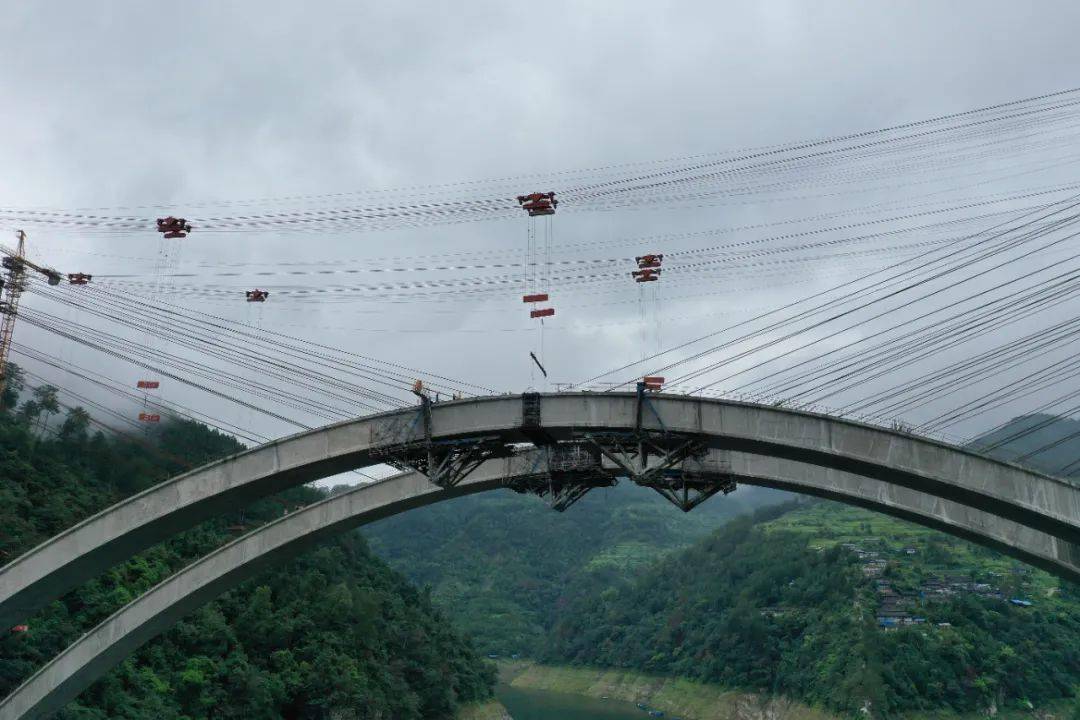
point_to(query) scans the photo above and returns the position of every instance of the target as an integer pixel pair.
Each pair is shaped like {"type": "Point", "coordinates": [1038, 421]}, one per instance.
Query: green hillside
{"type": "Point", "coordinates": [1030, 433]}
{"type": "Point", "coordinates": [335, 633]}
{"type": "Point", "coordinates": [514, 574]}
{"type": "Point", "coordinates": [502, 564]}
{"type": "Point", "coordinates": [840, 608]}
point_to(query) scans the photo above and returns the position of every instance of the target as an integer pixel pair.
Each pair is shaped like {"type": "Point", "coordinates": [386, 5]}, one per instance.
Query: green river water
{"type": "Point", "coordinates": [540, 705]}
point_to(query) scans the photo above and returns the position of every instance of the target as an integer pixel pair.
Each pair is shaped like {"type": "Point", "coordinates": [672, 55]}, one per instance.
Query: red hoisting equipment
{"type": "Point", "coordinates": [538, 203]}
{"type": "Point", "coordinates": [172, 227]}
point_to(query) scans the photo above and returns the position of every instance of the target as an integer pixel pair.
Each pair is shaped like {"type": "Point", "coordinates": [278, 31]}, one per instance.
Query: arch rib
{"type": "Point", "coordinates": [1047, 504]}
{"type": "Point", "coordinates": [90, 657]}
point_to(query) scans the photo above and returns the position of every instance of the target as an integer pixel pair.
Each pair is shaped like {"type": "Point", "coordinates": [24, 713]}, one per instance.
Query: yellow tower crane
{"type": "Point", "coordinates": [12, 285]}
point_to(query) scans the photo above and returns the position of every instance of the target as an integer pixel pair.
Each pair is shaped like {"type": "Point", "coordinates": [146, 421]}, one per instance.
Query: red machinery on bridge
{"type": "Point", "coordinates": [649, 267]}
{"type": "Point", "coordinates": [646, 275]}
{"type": "Point", "coordinates": [538, 203]}
{"type": "Point", "coordinates": [79, 278]}
{"type": "Point", "coordinates": [537, 270]}
{"type": "Point", "coordinates": [538, 312]}
{"type": "Point", "coordinates": [171, 227]}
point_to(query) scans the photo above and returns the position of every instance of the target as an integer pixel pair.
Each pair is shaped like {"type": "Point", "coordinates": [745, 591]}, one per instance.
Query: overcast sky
{"type": "Point", "coordinates": [175, 104]}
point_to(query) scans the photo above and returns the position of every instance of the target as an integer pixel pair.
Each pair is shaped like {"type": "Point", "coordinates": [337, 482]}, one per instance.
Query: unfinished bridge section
{"type": "Point", "coordinates": [585, 440]}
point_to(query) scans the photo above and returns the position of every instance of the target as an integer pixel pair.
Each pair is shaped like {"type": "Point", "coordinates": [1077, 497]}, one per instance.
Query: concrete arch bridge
{"type": "Point", "coordinates": [558, 446]}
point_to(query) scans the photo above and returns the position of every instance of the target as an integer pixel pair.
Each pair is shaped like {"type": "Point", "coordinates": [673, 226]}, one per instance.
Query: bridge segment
{"type": "Point", "coordinates": [90, 657]}
{"type": "Point", "coordinates": [657, 441]}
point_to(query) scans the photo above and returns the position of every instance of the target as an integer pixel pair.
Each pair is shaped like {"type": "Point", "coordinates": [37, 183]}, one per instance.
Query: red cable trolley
{"type": "Point", "coordinates": [171, 227]}
{"type": "Point", "coordinates": [148, 384]}
{"type": "Point", "coordinates": [652, 382]}
{"type": "Point", "coordinates": [147, 417]}
{"type": "Point", "coordinates": [538, 203]}
{"type": "Point", "coordinates": [79, 278]}
{"type": "Point", "coordinates": [257, 295]}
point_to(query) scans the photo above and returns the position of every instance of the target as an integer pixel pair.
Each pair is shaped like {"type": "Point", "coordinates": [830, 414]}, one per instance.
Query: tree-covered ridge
{"type": "Point", "coordinates": [791, 602]}
{"type": "Point", "coordinates": [505, 564]}
{"type": "Point", "coordinates": [1054, 440]}
{"type": "Point", "coordinates": [335, 633]}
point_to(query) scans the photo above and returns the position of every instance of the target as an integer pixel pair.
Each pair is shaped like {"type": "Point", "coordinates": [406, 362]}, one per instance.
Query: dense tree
{"type": "Point", "coordinates": [754, 606]}
{"type": "Point", "coordinates": [73, 430]}
{"type": "Point", "coordinates": [14, 382]}
{"type": "Point", "coordinates": [333, 634]}
{"type": "Point", "coordinates": [29, 412]}
{"type": "Point", "coordinates": [48, 403]}
{"type": "Point", "coordinates": [510, 558]}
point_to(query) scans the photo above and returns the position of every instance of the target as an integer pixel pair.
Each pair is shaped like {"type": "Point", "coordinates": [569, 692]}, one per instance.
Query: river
{"type": "Point", "coordinates": [541, 705]}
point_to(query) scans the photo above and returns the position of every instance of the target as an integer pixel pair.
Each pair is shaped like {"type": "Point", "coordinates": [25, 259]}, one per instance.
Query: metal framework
{"type": "Point", "coordinates": [676, 465]}
{"type": "Point", "coordinates": [15, 266]}
{"type": "Point", "coordinates": [444, 462]}
{"type": "Point", "coordinates": [13, 284]}
{"type": "Point", "coordinates": [562, 473]}
{"type": "Point", "coordinates": [697, 480]}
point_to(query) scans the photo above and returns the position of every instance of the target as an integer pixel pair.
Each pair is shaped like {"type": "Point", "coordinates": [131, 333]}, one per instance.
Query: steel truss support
{"type": "Point", "coordinates": [676, 465]}
{"type": "Point", "coordinates": [686, 498]}
{"type": "Point", "coordinates": [445, 463]}
{"type": "Point", "coordinates": [672, 464]}
{"type": "Point", "coordinates": [687, 489]}
{"type": "Point", "coordinates": [449, 463]}
{"type": "Point", "coordinates": [645, 458]}
{"type": "Point", "coordinates": [563, 473]}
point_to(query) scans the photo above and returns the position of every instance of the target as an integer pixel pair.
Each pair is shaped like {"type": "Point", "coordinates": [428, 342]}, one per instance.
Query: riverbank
{"type": "Point", "coordinates": [488, 710]}
{"type": "Point", "coordinates": [699, 701]}
{"type": "Point", "coordinates": [675, 696]}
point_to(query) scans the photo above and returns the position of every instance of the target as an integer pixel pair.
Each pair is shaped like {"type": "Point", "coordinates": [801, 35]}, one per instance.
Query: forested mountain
{"type": "Point", "coordinates": [838, 607]}
{"type": "Point", "coordinates": [335, 633]}
{"type": "Point", "coordinates": [1054, 442]}
{"type": "Point", "coordinates": [835, 606]}
{"type": "Point", "coordinates": [503, 564]}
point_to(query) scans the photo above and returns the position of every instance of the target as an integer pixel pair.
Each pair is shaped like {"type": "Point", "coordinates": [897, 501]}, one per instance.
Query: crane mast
{"type": "Point", "coordinates": [14, 280]}
{"type": "Point", "coordinates": [12, 285]}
